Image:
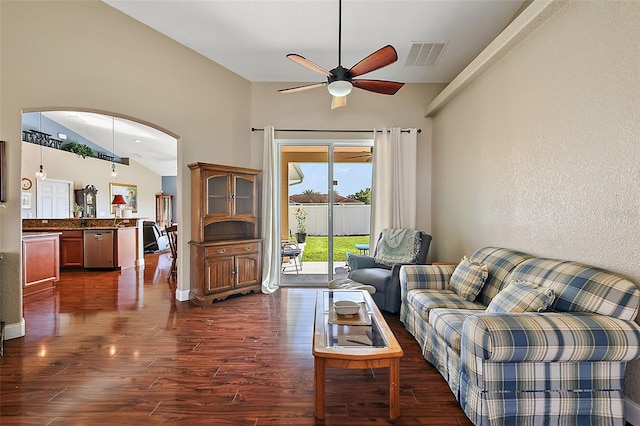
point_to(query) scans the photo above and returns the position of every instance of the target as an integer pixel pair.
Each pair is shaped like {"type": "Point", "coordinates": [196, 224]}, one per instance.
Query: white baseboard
{"type": "Point", "coordinates": [182, 295]}
{"type": "Point", "coordinates": [15, 330]}
{"type": "Point", "coordinates": [632, 411]}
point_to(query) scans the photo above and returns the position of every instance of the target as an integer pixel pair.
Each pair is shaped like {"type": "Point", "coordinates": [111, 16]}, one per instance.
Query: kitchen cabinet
{"type": "Point", "coordinates": [226, 254]}
{"type": "Point", "coordinates": [125, 247]}
{"type": "Point", "coordinates": [71, 249]}
{"type": "Point", "coordinates": [40, 261]}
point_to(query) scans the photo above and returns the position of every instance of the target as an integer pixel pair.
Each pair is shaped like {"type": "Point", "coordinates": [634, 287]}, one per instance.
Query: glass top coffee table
{"type": "Point", "coordinates": [362, 340]}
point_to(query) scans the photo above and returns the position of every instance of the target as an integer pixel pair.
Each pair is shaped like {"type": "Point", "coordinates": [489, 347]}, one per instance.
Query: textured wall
{"type": "Point", "coordinates": [542, 152]}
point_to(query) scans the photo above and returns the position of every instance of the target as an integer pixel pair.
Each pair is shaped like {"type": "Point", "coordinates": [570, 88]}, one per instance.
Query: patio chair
{"type": "Point", "coordinates": [291, 252]}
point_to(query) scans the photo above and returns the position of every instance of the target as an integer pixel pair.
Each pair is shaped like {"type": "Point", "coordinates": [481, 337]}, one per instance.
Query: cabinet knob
{"type": "Point", "coordinates": [247, 248]}
{"type": "Point", "coordinates": [221, 251]}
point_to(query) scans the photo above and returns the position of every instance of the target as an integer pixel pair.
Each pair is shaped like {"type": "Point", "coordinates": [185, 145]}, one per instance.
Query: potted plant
{"type": "Point", "coordinates": [301, 217]}
{"type": "Point", "coordinates": [80, 149]}
{"type": "Point", "coordinates": [77, 210]}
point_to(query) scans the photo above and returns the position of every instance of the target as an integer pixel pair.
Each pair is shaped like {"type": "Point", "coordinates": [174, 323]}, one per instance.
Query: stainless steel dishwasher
{"type": "Point", "coordinates": [98, 248]}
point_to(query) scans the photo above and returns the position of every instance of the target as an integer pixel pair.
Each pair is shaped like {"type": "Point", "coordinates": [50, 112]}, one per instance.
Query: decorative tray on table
{"type": "Point", "coordinates": [356, 313]}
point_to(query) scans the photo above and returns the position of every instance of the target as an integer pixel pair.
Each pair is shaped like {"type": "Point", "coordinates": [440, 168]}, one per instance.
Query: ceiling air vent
{"type": "Point", "coordinates": [424, 54]}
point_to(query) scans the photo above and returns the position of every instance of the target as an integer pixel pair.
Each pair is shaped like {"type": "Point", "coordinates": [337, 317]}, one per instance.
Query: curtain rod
{"type": "Point", "coordinates": [254, 129]}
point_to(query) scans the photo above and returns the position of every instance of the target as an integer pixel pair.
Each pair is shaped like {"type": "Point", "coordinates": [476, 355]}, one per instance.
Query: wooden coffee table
{"type": "Point", "coordinates": [359, 341]}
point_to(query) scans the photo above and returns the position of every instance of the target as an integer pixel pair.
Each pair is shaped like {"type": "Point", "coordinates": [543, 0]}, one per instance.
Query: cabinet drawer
{"type": "Point", "coordinates": [232, 249]}
{"type": "Point", "coordinates": [219, 251]}
{"type": "Point", "coordinates": [246, 248]}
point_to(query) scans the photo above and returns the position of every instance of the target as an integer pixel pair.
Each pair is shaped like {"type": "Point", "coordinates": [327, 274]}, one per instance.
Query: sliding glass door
{"type": "Point", "coordinates": [324, 208]}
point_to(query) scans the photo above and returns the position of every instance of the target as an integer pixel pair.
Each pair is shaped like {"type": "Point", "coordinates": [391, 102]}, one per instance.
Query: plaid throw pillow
{"type": "Point", "coordinates": [521, 296]}
{"type": "Point", "coordinates": [468, 278]}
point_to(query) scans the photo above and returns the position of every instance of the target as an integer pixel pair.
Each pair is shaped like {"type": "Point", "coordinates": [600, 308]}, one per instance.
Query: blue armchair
{"type": "Point", "coordinates": [385, 278]}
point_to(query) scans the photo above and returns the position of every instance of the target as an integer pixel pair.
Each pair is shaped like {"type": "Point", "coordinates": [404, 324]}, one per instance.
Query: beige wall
{"type": "Point", "coordinates": [87, 55]}
{"type": "Point", "coordinates": [542, 152]}
{"type": "Point", "coordinates": [93, 57]}
{"type": "Point", "coordinates": [63, 165]}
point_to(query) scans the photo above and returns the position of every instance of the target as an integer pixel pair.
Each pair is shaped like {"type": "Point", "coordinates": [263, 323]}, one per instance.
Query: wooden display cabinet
{"type": "Point", "coordinates": [226, 254]}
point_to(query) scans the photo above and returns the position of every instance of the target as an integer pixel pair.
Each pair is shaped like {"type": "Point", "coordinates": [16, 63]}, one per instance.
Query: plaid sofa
{"type": "Point", "coordinates": [564, 366]}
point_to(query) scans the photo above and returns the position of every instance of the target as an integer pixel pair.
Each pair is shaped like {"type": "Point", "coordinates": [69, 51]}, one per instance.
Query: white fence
{"type": "Point", "coordinates": [348, 219]}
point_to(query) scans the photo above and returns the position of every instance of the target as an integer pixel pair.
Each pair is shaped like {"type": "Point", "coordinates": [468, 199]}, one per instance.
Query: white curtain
{"type": "Point", "coordinates": [394, 180]}
{"type": "Point", "coordinates": [270, 238]}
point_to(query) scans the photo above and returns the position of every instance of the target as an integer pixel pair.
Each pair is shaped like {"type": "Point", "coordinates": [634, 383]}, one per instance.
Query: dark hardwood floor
{"type": "Point", "coordinates": [116, 348]}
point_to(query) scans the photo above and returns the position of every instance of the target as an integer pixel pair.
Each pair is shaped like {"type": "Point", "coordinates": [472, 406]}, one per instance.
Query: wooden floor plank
{"type": "Point", "coordinates": [110, 347]}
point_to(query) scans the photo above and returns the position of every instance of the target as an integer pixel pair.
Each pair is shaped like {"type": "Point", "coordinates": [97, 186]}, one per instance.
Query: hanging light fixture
{"type": "Point", "coordinates": [114, 173]}
{"type": "Point", "coordinates": [41, 174]}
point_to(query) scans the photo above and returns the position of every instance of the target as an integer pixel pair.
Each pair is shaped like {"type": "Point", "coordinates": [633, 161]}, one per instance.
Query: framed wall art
{"type": "Point", "coordinates": [128, 191]}
{"type": "Point", "coordinates": [25, 200]}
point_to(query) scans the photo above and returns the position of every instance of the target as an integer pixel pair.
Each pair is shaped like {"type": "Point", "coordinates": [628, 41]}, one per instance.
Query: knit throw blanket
{"type": "Point", "coordinates": [398, 246]}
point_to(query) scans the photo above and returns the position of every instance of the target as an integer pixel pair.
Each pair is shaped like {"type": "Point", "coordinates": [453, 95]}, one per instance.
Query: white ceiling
{"type": "Point", "coordinates": [145, 145]}
{"type": "Point", "coordinates": [252, 39]}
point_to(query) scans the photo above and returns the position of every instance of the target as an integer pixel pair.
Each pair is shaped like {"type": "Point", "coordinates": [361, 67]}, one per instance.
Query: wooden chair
{"type": "Point", "coordinates": [172, 235]}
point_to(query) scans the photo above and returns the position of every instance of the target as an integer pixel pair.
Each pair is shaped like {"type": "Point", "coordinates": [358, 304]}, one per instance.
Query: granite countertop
{"type": "Point", "coordinates": [39, 234]}
{"type": "Point", "coordinates": [41, 230]}
{"type": "Point", "coordinates": [73, 224]}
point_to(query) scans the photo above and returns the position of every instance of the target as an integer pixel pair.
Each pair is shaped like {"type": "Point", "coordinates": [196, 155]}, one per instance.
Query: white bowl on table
{"type": "Point", "coordinates": [346, 307]}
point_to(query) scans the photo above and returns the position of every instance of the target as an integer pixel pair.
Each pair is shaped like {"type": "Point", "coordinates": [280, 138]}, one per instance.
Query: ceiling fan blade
{"type": "Point", "coordinates": [338, 101]}
{"type": "Point", "coordinates": [301, 88]}
{"type": "Point", "coordinates": [300, 60]}
{"type": "Point", "coordinates": [378, 59]}
{"type": "Point", "coordinates": [384, 87]}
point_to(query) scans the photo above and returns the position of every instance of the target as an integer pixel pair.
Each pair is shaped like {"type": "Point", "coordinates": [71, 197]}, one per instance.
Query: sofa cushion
{"type": "Point", "coordinates": [582, 288]}
{"type": "Point", "coordinates": [447, 323]}
{"type": "Point", "coordinates": [468, 278]}
{"type": "Point", "coordinates": [424, 300]}
{"type": "Point", "coordinates": [521, 296]}
{"type": "Point", "coordinates": [500, 262]}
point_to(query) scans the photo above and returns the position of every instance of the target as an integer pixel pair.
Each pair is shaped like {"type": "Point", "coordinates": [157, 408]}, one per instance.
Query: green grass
{"type": "Point", "coordinates": [316, 248]}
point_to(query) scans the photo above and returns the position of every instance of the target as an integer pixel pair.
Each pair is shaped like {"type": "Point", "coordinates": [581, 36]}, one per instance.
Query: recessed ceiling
{"type": "Point", "coordinates": [251, 38]}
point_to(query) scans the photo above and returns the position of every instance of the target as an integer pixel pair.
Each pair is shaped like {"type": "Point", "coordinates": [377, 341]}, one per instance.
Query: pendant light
{"type": "Point", "coordinates": [114, 173]}
{"type": "Point", "coordinates": [41, 174]}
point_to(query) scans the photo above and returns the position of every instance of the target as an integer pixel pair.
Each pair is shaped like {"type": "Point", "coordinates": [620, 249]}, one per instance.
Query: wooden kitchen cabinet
{"type": "Point", "coordinates": [71, 249]}
{"type": "Point", "coordinates": [226, 254]}
{"type": "Point", "coordinates": [40, 261]}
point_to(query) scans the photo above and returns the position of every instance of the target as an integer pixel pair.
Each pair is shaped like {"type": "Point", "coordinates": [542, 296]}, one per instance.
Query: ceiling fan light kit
{"type": "Point", "coordinates": [340, 81]}
{"type": "Point", "coordinates": [340, 88]}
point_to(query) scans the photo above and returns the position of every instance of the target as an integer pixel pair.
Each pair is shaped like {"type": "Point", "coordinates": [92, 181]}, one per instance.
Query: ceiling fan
{"type": "Point", "coordinates": [340, 80]}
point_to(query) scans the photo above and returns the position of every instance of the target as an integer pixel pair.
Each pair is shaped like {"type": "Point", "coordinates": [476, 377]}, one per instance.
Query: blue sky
{"type": "Point", "coordinates": [351, 177]}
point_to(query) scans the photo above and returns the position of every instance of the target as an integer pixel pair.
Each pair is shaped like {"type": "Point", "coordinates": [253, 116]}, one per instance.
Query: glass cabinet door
{"type": "Point", "coordinates": [243, 196]}
{"type": "Point", "coordinates": [218, 195]}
